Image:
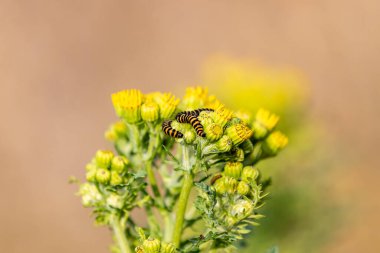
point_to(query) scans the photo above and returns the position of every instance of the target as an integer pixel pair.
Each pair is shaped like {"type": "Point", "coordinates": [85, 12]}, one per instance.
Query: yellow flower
{"type": "Point", "coordinates": [150, 111]}
{"type": "Point", "coordinates": [222, 115]}
{"type": "Point", "coordinates": [127, 105]}
{"type": "Point", "coordinates": [275, 142]}
{"type": "Point", "coordinates": [239, 133]}
{"type": "Point", "coordinates": [195, 97]}
{"type": "Point", "coordinates": [267, 119]}
{"type": "Point", "coordinates": [167, 103]}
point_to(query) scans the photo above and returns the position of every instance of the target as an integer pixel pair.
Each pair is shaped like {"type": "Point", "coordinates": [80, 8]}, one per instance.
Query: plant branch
{"type": "Point", "coordinates": [183, 197]}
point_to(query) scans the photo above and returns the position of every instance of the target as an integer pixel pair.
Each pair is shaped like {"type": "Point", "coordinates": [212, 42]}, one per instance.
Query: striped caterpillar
{"type": "Point", "coordinates": [167, 128]}
{"type": "Point", "coordinates": [191, 118]}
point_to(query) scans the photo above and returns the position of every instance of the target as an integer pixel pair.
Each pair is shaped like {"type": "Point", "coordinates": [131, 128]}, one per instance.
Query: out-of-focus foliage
{"type": "Point", "coordinates": [299, 212]}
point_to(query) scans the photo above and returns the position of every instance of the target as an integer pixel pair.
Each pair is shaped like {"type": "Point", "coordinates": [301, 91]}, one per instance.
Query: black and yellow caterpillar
{"type": "Point", "coordinates": [191, 118]}
{"type": "Point", "coordinates": [181, 117]}
{"type": "Point", "coordinates": [167, 128]}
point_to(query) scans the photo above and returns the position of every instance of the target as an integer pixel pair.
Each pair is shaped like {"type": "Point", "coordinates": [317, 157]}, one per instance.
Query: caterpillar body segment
{"type": "Point", "coordinates": [168, 130]}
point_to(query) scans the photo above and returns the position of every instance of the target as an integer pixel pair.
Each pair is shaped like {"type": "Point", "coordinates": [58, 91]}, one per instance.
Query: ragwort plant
{"type": "Point", "coordinates": [165, 148]}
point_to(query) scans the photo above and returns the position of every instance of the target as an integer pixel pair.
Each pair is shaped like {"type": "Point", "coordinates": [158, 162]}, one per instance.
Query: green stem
{"type": "Point", "coordinates": [120, 235]}
{"type": "Point", "coordinates": [152, 180]}
{"type": "Point", "coordinates": [183, 197]}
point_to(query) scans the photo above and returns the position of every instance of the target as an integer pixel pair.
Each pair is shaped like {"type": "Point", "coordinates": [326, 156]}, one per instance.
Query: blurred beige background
{"type": "Point", "coordinates": [61, 60]}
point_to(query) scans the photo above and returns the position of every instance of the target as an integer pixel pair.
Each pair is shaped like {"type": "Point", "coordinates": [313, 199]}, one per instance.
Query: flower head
{"type": "Point", "coordinates": [239, 133]}
{"type": "Point", "coordinates": [167, 103]}
{"type": "Point", "coordinates": [222, 115]}
{"type": "Point", "coordinates": [127, 105]}
{"type": "Point", "coordinates": [275, 142]}
{"type": "Point", "coordinates": [150, 111]}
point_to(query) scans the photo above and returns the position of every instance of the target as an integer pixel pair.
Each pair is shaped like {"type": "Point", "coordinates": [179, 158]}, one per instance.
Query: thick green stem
{"type": "Point", "coordinates": [120, 235]}
{"type": "Point", "coordinates": [183, 197]}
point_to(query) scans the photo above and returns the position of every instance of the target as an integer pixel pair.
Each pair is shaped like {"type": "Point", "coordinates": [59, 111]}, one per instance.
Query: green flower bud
{"type": "Point", "coordinates": [233, 169]}
{"type": "Point", "coordinates": [90, 195]}
{"type": "Point", "coordinates": [167, 248]}
{"type": "Point", "coordinates": [103, 176]}
{"type": "Point", "coordinates": [115, 201]}
{"type": "Point", "coordinates": [119, 163]}
{"type": "Point", "coordinates": [220, 186]}
{"type": "Point", "coordinates": [239, 133]}
{"type": "Point", "coordinates": [189, 136]}
{"type": "Point", "coordinates": [243, 188]}
{"type": "Point", "coordinates": [259, 130]}
{"type": "Point", "coordinates": [249, 174]}
{"type": "Point", "coordinates": [230, 184]}
{"type": "Point", "coordinates": [247, 146]}
{"type": "Point", "coordinates": [224, 144]}
{"type": "Point", "coordinates": [222, 115]}
{"type": "Point", "coordinates": [150, 111]}
{"type": "Point", "coordinates": [213, 131]}
{"type": "Point", "coordinates": [116, 179]}
{"type": "Point", "coordinates": [127, 105]}
{"type": "Point", "coordinates": [151, 245]}
{"type": "Point", "coordinates": [239, 154]}
{"type": "Point", "coordinates": [103, 158]}
{"type": "Point", "coordinates": [274, 143]}
{"type": "Point", "coordinates": [91, 175]}
{"type": "Point", "coordinates": [241, 209]}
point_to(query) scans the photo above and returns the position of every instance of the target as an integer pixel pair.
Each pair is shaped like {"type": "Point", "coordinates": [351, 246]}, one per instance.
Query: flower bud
{"type": "Point", "coordinates": [243, 188]}
{"type": "Point", "coordinates": [239, 133]}
{"type": "Point", "coordinates": [275, 142]}
{"type": "Point", "coordinates": [91, 175]}
{"type": "Point", "coordinates": [116, 179]}
{"type": "Point", "coordinates": [247, 146]}
{"type": "Point", "coordinates": [224, 144]}
{"type": "Point", "coordinates": [239, 154]}
{"type": "Point", "coordinates": [241, 209]}
{"type": "Point", "coordinates": [103, 176]}
{"type": "Point", "coordinates": [233, 169]}
{"type": "Point", "coordinates": [151, 245]}
{"type": "Point", "coordinates": [167, 248]}
{"type": "Point", "coordinates": [264, 122]}
{"type": "Point", "coordinates": [115, 201]}
{"type": "Point", "coordinates": [150, 111]}
{"type": "Point", "coordinates": [220, 186]}
{"type": "Point", "coordinates": [213, 131]}
{"type": "Point", "coordinates": [230, 184]}
{"type": "Point", "coordinates": [119, 163]}
{"type": "Point", "coordinates": [127, 105]}
{"type": "Point", "coordinates": [249, 174]}
{"type": "Point", "coordinates": [167, 103]}
{"type": "Point", "coordinates": [222, 115]}
{"type": "Point", "coordinates": [103, 158]}
{"type": "Point", "coordinates": [189, 136]}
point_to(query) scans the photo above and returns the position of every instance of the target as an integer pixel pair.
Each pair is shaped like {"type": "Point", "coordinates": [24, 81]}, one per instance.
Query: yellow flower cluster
{"type": "Point", "coordinates": [198, 97]}
{"type": "Point", "coordinates": [133, 106]}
